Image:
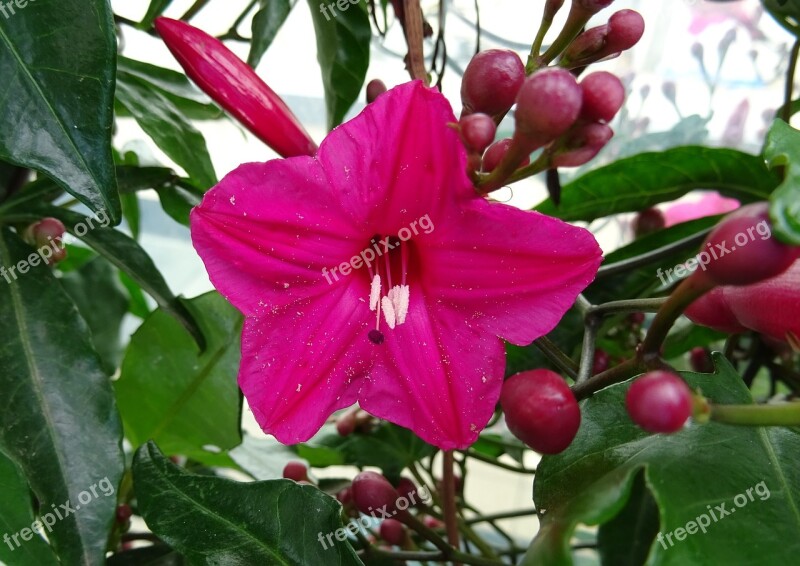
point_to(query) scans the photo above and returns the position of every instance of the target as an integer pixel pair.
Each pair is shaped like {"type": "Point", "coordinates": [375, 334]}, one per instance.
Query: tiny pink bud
{"type": "Point", "coordinates": [583, 144]}
{"type": "Point", "coordinates": [491, 82]}
{"type": "Point", "coordinates": [593, 5]}
{"type": "Point", "coordinates": [494, 155]}
{"type": "Point", "coordinates": [477, 131]}
{"type": "Point", "coordinates": [375, 88]}
{"type": "Point", "coordinates": [625, 29]}
{"type": "Point", "coordinates": [548, 104]}
{"type": "Point", "coordinates": [296, 471]}
{"type": "Point", "coordinates": [603, 95]}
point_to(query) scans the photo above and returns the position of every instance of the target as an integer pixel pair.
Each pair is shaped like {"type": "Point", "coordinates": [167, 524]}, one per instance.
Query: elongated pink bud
{"type": "Point", "coordinates": [236, 87]}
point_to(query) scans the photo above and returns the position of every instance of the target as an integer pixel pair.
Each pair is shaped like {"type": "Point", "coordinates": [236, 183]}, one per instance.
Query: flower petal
{"type": "Point", "coordinates": [302, 362]}
{"type": "Point", "coordinates": [267, 231]}
{"type": "Point", "coordinates": [398, 160]}
{"type": "Point", "coordinates": [510, 272]}
{"type": "Point", "coordinates": [439, 377]}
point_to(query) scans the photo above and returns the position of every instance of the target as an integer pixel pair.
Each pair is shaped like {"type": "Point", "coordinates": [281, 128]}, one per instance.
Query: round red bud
{"type": "Point", "coordinates": [659, 401]}
{"type": "Point", "coordinates": [393, 532]}
{"type": "Point", "coordinates": [371, 491]}
{"type": "Point", "coordinates": [603, 95]}
{"type": "Point", "coordinates": [477, 131]}
{"type": "Point", "coordinates": [548, 104]}
{"type": "Point", "coordinates": [583, 144]}
{"type": "Point", "coordinates": [742, 251]}
{"type": "Point", "coordinates": [625, 29]}
{"type": "Point", "coordinates": [648, 221]}
{"type": "Point", "coordinates": [296, 471]}
{"type": "Point", "coordinates": [540, 410]}
{"type": "Point", "coordinates": [375, 88]}
{"type": "Point", "coordinates": [491, 82]}
{"type": "Point", "coordinates": [494, 155]}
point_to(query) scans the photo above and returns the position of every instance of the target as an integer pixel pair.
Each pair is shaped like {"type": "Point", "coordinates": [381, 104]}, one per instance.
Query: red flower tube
{"type": "Point", "coordinates": [236, 87]}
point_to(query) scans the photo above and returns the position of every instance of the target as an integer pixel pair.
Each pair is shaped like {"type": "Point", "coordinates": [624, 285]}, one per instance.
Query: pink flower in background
{"type": "Point", "coordinates": [414, 334]}
{"type": "Point", "coordinates": [710, 204]}
{"type": "Point", "coordinates": [771, 307]}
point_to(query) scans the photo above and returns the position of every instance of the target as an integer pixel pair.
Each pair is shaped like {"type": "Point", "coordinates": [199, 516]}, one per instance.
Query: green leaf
{"type": "Point", "coordinates": [131, 213]}
{"type": "Point", "coordinates": [178, 89]}
{"type": "Point", "coordinates": [625, 540]}
{"type": "Point", "coordinates": [168, 391]}
{"type": "Point", "coordinates": [57, 60]}
{"type": "Point", "coordinates": [266, 24]}
{"type": "Point", "coordinates": [263, 458]}
{"type": "Point", "coordinates": [782, 148]}
{"type": "Point", "coordinates": [128, 256]}
{"type": "Point", "coordinates": [138, 304]}
{"type": "Point", "coordinates": [102, 302]}
{"type": "Point", "coordinates": [688, 474]}
{"type": "Point", "coordinates": [178, 202]}
{"type": "Point", "coordinates": [155, 9]}
{"type": "Point", "coordinates": [58, 420]}
{"type": "Point", "coordinates": [786, 12]}
{"type": "Point", "coordinates": [162, 121]}
{"type": "Point", "coordinates": [644, 180]}
{"type": "Point", "coordinates": [156, 555]}
{"type": "Point", "coordinates": [16, 513]}
{"type": "Point", "coordinates": [343, 42]}
{"type": "Point", "coordinates": [265, 522]}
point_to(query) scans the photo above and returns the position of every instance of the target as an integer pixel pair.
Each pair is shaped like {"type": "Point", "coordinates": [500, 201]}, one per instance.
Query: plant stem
{"type": "Point", "coordinates": [786, 114]}
{"type": "Point", "coordinates": [590, 327]}
{"type": "Point", "coordinates": [414, 36]}
{"type": "Point", "coordinates": [193, 10]}
{"type": "Point", "coordinates": [449, 498]}
{"type": "Point", "coordinates": [628, 306]}
{"type": "Point", "coordinates": [617, 374]}
{"type": "Point", "coordinates": [690, 289]}
{"type": "Point", "coordinates": [555, 355]}
{"type": "Point", "coordinates": [494, 462]}
{"type": "Point", "coordinates": [507, 515]}
{"type": "Point", "coordinates": [783, 414]}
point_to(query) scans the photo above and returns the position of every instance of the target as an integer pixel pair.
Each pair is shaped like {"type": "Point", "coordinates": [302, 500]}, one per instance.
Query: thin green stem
{"type": "Point", "coordinates": [494, 462]}
{"type": "Point", "coordinates": [590, 328]}
{"type": "Point", "coordinates": [786, 114]}
{"type": "Point", "coordinates": [449, 498]}
{"type": "Point", "coordinates": [506, 515]}
{"type": "Point", "coordinates": [193, 10]}
{"type": "Point", "coordinates": [555, 355]}
{"type": "Point", "coordinates": [616, 374]}
{"type": "Point", "coordinates": [783, 414]}
{"type": "Point", "coordinates": [628, 306]}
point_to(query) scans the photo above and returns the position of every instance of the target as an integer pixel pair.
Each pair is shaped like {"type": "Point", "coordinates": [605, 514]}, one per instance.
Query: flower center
{"type": "Point", "coordinates": [386, 297]}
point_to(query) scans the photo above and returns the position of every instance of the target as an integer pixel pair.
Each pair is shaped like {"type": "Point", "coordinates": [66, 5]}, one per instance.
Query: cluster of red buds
{"type": "Point", "coordinates": [554, 112]}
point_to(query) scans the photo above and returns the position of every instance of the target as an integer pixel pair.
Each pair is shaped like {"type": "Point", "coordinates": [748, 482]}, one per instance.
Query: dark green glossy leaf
{"type": "Point", "coordinates": [57, 60]}
{"type": "Point", "coordinates": [646, 279]}
{"type": "Point", "coordinates": [625, 540]}
{"type": "Point", "coordinates": [266, 24]}
{"type": "Point", "coordinates": [343, 42]}
{"type": "Point", "coordinates": [178, 203]}
{"type": "Point", "coordinates": [155, 9]}
{"type": "Point", "coordinates": [782, 148]}
{"type": "Point", "coordinates": [128, 256]}
{"type": "Point", "coordinates": [132, 179]}
{"type": "Point", "coordinates": [786, 12]}
{"type": "Point", "coordinates": [266, 522]}
{"type": "Point", "coordinates": [647, 179]}
{"type": "Point", "coordinates": [168, 391]}
{"type": "Point", "coordinates": [159, 555]}
{"type": "Point", "coordinates": [58, 420]}
{"type": "Point", "coordinates": [688, 472]}
{"type": "Point", "coordinates": [262, 457]}
{"type": "Point", "coordinates": [162, 121]}
{"type": "Point", "coordinates": [173, 85]}
{"type": "Point", "coordinates": [16, 513]}
{"type": "Point", "coordinates": [131, 213]}
{"type": "Point", "coordinates": [793, 108]}
{"type": "Point", "coordinates": [102, 302]}
{"type": "Point", "coordinates": [138, 303]}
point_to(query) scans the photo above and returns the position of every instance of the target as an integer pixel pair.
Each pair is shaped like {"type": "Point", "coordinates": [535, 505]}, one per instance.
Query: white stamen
{"type": "Point", "coordinates": [388, 312]}
{"type": "Point", "coordinates": [375, 292]}
{"type": "Point", "coordinates": [400, 297]}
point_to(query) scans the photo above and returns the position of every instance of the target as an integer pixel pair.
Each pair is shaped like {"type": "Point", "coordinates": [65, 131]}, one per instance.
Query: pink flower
{"type": "Point", "coordinates": [710, 204]}
{"type": "Point", "coordinates": [413, 334]}
{"type": "Point", "coordinates": [771, 307]}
